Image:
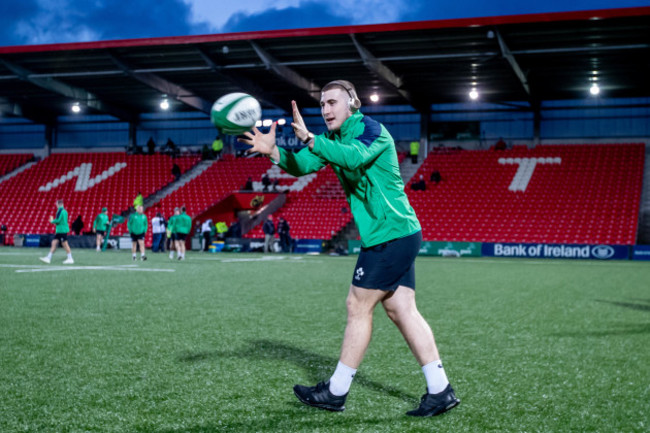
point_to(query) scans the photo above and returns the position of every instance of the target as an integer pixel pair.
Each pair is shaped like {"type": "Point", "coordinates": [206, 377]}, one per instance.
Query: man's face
{"type": "Point", "coordinates": [334, 108]}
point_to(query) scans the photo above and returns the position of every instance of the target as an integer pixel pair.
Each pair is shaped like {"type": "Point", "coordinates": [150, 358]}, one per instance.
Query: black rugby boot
{"type": "Point", "coordinates": [436, 404]}
{"type": "Point", "coordinates": [320, 396]}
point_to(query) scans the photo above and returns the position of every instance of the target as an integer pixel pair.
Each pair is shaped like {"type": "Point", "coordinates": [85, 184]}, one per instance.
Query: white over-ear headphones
{"type": "Point", "coordinates": [354, 103]}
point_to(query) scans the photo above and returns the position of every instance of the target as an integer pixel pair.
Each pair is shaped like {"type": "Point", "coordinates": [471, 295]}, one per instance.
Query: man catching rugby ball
{"type": "Point", "coordinates": [362, 154]}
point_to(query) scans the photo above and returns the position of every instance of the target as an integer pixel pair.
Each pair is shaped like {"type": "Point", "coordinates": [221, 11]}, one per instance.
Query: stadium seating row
{"type": "Point", "coordinates": [86, 182]}
{"type": "Point", "coordinates": [589, 194]}
{"type": "Point", "coordinates": [11, 161]}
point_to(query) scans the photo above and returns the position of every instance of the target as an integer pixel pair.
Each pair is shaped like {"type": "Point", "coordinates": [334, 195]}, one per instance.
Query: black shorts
{"type": "Point", "coordinates": [61, 237]}
{"type": "Point", "coordinates": [181, 236]}
{"type": "Point", "coordinates": [136, 238]}
{"type": "Point", "coordinates": [101, 233]}
{"type": "Point", "coordinates": [389, 265]}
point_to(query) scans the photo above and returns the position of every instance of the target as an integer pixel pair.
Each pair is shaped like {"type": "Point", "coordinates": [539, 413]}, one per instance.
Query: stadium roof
{"type": "Point", "coordinates": [527, 58]}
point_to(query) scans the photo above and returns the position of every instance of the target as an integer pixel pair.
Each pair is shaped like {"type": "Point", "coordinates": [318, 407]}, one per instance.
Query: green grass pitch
{"type": "Point", "coordinates": [216, 343]}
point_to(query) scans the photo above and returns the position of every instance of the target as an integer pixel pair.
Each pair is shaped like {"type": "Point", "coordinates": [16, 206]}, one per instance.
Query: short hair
{"type": "Point", "coordinates": [59, 202]}
{"type": "Point", "coordinates": [182, 208]}
{"type": "Point", "coordinates": [355, 102]}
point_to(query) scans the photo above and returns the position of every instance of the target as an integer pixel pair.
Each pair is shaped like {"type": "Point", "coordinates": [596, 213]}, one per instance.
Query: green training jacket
{"type": "Point", "coordinates": [101, 222]}
{"type": "Point", "coordinates": [183, 223]}
{"type": "Point", "coordinates": [137, 224]}
{"type": "Point", "coordinates": [61, 221]}
{"type": "Point", "coordinates": [364, 159]}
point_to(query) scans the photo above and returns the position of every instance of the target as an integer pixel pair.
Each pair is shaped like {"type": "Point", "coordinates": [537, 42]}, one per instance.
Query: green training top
{"type": "Point", "coordinates": [137, 224]}
{"type": "Point", "coordinates": [364, 159]}
{"type": "Point", "coordinates": [171, 224]}
{"type": "Point", "coordinates": [61, 221]}
{"type": "Point", "coordinates": [183, 223]}
{"type": "Point", "coordinates": [101, 222]}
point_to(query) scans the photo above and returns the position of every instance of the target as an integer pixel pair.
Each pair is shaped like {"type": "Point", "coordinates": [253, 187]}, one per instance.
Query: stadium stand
{"type": "Point", "coordinates": [86, 182]}
{"type": "Point", "coordinates": [315, 212]}
{"type": "Point", "coordinates": [224, 177]}
{"type": "Point", "coordinates": [11, 161]}
{"type": "Point", "coordinates": [574, 194]}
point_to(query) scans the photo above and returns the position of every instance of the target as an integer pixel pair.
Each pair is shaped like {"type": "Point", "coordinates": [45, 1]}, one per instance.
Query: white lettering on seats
{"type": "Point", "coordinates": [82, 173]}
{"type": "Point", "coordinates": [526, 169]}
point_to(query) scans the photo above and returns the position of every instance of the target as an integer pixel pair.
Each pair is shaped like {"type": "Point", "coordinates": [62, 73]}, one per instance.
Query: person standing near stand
{"type": "Point", "coordinates": [60, 221]}
{"type": "Point", "coordinates": [100, 225]}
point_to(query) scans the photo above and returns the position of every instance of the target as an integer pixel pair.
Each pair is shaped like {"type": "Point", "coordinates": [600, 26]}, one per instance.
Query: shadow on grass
{"type": "Point", "coordinates": [622, 330]}
{"type": "Point", "coordinates": [625, 330]}
{"type": "Point", "coordinates": [642, 305]}
{"type": "Point", "coordinates": [314, 364]}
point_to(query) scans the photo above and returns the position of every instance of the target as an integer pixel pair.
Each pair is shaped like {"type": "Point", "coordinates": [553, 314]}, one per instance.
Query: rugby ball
{"type": "Point", "coordinates": [235, 113]}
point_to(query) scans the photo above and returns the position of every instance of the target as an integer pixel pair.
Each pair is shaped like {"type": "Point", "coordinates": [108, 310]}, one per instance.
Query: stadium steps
{"type": "Point", "coordinates": [186, 177]}
{"type": "Point", "coordinates": [407, 169]}
{"type": "Point", "coordinates": [644, 217]}
{"type": "Point", "coordinates": [17, 171]}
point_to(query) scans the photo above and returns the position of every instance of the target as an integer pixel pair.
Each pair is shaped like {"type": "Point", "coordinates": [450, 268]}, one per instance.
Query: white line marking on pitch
{"type": "Point", "coordinates": [36, 268]}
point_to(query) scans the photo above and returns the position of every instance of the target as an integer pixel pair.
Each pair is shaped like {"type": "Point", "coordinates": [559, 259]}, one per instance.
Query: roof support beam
{"type": "Point", "coordinates": [10, 108]}
{"type": "Point", "coordinates": [384, 72]}
{"type": "Point", "coordinates": [507, 54]}
{"type": "Point", "coordinates": [165, 86]}
{"type": "Point", "coordinates": [286, 72]}
{"type": "Point", "coordinates": [76, 93]}
{"type": "Point", "coordinates": [246, 85]}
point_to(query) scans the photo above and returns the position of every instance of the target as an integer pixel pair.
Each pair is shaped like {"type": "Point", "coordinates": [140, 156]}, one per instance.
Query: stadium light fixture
{"type": "Point", "coordinates": [282, 122]}
{"type": "Point", "coordinates": [473, 94]}
{"type": "Point", "coordinates": [374, 97]}
{"type": "Point", "coordinates": [594, 89]}
{"type": "Point", "coordinates": [164, 103]}
{"type": "Point", "coordinates": [267, 122]}
{"type": "Point", "coordinates": [258, 124]}
{"type": "Point", "coordinates": [76, 108]}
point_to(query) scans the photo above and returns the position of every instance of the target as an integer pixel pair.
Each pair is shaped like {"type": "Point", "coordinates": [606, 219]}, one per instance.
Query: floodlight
{"type": "Point", "coordinates": [473, 94]}
{"type": "Point", "coordinates": [594, 89]}
{"type": "Point", "coordinates": [76, 108]}
{"type": "Point", "coordinates": [374, 97]}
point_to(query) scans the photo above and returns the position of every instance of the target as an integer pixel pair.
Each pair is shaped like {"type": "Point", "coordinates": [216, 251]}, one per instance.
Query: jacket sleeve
{"type": "Point", "coordinates": [59, 217]}
{"type": "Point", "coordinates": [353, 153]}
{"type": "Point", "coordinates": [301, 163]}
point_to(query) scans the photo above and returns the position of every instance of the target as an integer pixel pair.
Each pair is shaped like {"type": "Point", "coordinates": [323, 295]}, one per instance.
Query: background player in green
{"type": "Point", "coordinates": [100, 226]}
{"type": "Point", "coordinates": [60, 221]}
{"type": "Point", "coordinates": [183, 226]}
{"type": "Point", "coordinates": [362, 154]}
{"type": "Point", "coordinates": [171, 232]}
{"type": "Point", "coordinates": [137, 226]}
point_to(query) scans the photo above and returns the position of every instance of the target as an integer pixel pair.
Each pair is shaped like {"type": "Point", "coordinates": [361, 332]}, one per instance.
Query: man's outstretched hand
{"type": "Point", "coordinates": [262, 143]}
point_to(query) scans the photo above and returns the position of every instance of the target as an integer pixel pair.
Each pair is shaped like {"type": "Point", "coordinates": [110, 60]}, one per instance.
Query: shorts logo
{"type": "Point", "coordinates": [358, 274]}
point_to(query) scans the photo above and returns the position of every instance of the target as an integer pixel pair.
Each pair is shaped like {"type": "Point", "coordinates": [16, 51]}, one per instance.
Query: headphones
{"type": "Point", "coordinates": [354, 103]}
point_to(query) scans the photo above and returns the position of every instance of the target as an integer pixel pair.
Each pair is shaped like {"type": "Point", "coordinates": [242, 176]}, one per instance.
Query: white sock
{"type": "Point", "coordinates": [70, 256]}
{"type": "Point", "coordinates": [436, 377]}
{"type": "Point", "coordinates": [134, 255]}
{"type": "Point", "coordinates": [341, 380]}
{"type": "Point", "coordinates": [171, 254]}
{"type": "Point", "coordinates": [49, 255]}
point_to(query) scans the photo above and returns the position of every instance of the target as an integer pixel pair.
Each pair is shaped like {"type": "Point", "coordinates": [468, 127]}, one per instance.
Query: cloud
{"type": "Point", "coordinates": [307, 14]}
{"type": "Point", "coordinates": [11, 16]}
{"type": "Point", "coordinates": [45, 21]}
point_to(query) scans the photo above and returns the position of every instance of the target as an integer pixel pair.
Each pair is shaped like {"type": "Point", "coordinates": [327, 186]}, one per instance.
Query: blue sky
{"type": "Point", "coordinates": [55, 21]}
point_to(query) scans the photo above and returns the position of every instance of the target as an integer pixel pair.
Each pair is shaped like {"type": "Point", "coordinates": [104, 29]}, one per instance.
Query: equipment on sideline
{"type": "Point", "coordinates": [235, 113]}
